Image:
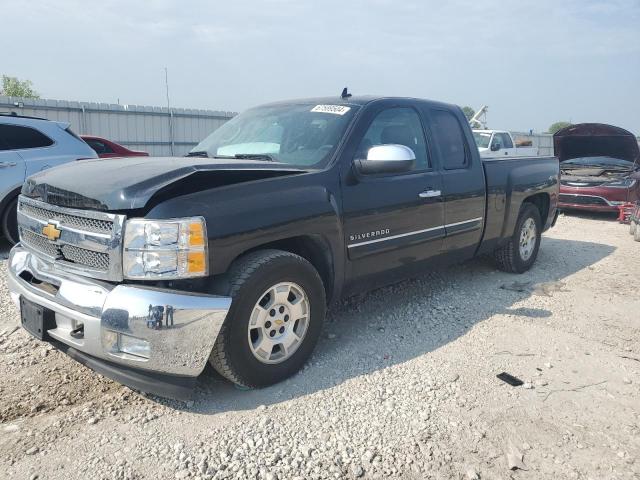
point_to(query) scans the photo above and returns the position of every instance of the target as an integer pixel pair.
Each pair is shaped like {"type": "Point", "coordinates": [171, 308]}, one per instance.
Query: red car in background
{"type": "Point", "coordinates": [599, 167]}
{"type": "Point", "coordinates": [108, 149]}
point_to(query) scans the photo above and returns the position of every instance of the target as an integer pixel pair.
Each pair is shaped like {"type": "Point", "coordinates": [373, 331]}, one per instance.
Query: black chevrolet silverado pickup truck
{"type": "Point", "coordinates": [146, 269]}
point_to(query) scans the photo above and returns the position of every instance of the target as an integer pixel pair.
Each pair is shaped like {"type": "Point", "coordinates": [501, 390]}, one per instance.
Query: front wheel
{"type": "Point", "coordinates": [275, 318]}
{"type": "Point", "coordinates": [9, 222]}
{"type": "Point", "coordinates": [519, 254]}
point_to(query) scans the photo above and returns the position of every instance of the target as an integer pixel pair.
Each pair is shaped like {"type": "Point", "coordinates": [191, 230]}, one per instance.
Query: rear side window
{"type": "Point", "coordinates": [15, 137]}
{"type": "Point", "coordinates": [99, 147]}
{"type": "Point", "coordinates": [449, 139]}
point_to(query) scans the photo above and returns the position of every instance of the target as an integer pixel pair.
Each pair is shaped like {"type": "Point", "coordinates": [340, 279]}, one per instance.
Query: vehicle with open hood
{"type": "Point", "coordinates": [146, 269]}
{"type": "Point", "coordinates": [600, 167]}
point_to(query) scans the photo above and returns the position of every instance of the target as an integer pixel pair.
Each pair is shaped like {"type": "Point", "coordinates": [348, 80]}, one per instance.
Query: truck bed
{"type": "Point", "coordinates": [509, 181]}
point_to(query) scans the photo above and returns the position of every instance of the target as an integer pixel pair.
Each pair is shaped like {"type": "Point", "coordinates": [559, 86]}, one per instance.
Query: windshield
{"type": "Point", "coordinates": [606, 162]}
{"type": "Point", "coordinates": [482, 139]}
{"type": "Point", "coordinates": [296, 134]}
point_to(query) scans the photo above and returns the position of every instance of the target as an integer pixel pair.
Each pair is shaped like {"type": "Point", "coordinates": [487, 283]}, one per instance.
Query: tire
{"type": "Point", "coordinates": [9, 222]}
{"type": "Point", "coordinates": [636, 234]}
{"type": "Point", "coordinates": [510, 258]}
{"type": "Point", "coordinates": [233, 353]}
{"type": "Point", "coordinates": [632, 227]}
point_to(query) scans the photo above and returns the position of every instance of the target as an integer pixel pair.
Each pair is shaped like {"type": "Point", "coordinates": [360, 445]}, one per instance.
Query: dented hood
{"type": "Point", "coordinates": [129, 183]}
{"type": "Point", "coordinates": [595, 140]}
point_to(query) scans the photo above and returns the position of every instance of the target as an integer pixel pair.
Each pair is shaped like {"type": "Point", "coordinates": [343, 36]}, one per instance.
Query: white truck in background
{"type": "Point", "coordinates": [500, 143]}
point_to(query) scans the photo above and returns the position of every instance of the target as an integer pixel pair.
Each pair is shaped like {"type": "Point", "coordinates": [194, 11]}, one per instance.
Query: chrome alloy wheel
{"type": "Point", "coordinates": [528, 236]}
{"type": "Point", "coordinates": [278, 323]}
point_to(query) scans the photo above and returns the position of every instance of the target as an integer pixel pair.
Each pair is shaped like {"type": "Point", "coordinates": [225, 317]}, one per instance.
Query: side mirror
{"type": "Point", "coordinates": [390, 158]}
{"type": "Point", "coordinates": [495, 147]}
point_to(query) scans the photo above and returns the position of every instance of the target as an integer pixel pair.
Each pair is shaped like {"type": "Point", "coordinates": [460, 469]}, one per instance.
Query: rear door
{"type": "Point", "coordinates": [463, 183]}
{"type": "Point", "coordinates": [389, 221]}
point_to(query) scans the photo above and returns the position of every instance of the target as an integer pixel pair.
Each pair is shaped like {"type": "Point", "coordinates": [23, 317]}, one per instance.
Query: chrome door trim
{"type": "Point", "coordinates": [430, 193]}
{"type": "Point", "coordinates": [415, 232]}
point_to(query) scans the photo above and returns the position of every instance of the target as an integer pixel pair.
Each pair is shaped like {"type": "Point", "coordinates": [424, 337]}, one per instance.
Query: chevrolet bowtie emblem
{"type": "Point", "coordinates": [51, 232]}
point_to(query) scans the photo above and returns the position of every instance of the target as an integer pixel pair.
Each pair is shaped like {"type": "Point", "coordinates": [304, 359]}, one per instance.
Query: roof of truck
{"type": "Point", "coordinates": [359, 100]}
{"type": "Point", "coordinates": [489, 131]}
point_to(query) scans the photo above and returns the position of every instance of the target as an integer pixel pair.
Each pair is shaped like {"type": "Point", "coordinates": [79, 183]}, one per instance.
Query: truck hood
{"type": "Point", "coordinates": [595, 140]}
{"type": "Point", "coordinates": [129, 183]}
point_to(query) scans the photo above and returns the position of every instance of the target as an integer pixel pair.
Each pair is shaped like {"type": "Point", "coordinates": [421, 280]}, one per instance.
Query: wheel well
{"type": "Point", "coordinates": [541, 201]}
{"type": "Point", "coordinates": [314, 249]}
{"type": "Point", "coordinates": [11, 196]}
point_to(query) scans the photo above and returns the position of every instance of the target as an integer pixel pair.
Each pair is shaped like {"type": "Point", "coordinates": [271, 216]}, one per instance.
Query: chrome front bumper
{"type": "Point", "coordinates": [157, 330]}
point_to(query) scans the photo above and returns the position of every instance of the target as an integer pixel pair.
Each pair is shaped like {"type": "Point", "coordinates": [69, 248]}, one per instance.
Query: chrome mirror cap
{"type": "Point", "coordinates": [390, 158]}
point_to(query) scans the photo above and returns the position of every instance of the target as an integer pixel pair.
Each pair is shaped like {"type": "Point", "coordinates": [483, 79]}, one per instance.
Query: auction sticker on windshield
{"type": "Point", "coordinates": [335, 109]}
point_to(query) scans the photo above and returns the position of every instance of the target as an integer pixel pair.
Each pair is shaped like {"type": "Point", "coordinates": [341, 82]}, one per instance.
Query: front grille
{"type": "Point", "coordinates": [73, 221]}
{"type": "Point", "coordinates": [69, 253]}
{"type": "Point", "coordinates": [82, 256]}
{"type": "Point", "coordinates": [582, 200]}
{"type": "Point", "coordinates": [85, 242]}
{"type": "Point", "coordinates": [38, 242]}
{"type": "Point", "coordinates": [575, 183]}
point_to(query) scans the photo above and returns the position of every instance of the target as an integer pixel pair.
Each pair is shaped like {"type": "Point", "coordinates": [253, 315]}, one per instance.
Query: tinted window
{"type": "Point", "coordinates": [14, 137]}
{"type": "Point", "coordinates": [399, 126]}
{"type": "Point", "coordinates": [99, 147]}
{"type": "Point", "coordinates": [449, 138]}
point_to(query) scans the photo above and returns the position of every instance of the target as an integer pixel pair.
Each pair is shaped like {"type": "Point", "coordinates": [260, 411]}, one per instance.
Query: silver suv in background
{"type": "Point", "coordinates": [27, 146]}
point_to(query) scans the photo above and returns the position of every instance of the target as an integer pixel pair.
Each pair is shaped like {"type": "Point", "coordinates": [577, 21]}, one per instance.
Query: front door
{"type": "Point", "coordinates": [392, 221]}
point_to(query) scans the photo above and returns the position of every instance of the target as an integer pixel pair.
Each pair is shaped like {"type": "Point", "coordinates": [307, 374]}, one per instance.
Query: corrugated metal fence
{"type": "Point", "coordinates": [154, 129]}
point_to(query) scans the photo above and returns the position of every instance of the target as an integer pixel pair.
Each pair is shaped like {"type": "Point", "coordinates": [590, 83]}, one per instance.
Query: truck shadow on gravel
{"type": "Point", "coordinates": [398, 323]}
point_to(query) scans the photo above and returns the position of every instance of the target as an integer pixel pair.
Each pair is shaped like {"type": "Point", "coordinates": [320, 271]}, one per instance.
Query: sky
{"type": "Point", "coordinates": [532, 62]}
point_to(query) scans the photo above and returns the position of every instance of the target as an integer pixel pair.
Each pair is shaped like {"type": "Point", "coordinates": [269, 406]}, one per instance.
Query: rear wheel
{"type": "Point", "coordinates": [519, 254]}
{"type": "Point", "coordinates": [275, 318]}
{"type": "Point", "coordinates": [9, 222]}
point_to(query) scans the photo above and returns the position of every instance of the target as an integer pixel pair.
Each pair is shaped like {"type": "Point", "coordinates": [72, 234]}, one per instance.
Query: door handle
{"type": "Point", "coordinates": [430, 194]}
{"type": "Point", "coordinates": [7, 164]}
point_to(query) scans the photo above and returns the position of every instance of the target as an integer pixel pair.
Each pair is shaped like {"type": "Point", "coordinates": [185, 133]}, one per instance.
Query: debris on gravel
{"type": "Point", "coordinates": [402, 385]}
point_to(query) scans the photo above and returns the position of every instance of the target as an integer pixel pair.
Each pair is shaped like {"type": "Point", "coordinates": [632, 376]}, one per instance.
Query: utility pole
{"type": "Point", "coordinates": [166, 84]}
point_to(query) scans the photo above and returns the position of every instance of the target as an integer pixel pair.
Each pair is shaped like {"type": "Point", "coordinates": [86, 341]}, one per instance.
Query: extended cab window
{"type": "Point", "coordinates": [400, 126]}
{"type": "Point", "coordinates": [14, 137]}
{"type": "Point", "coordinates": [449, 139]}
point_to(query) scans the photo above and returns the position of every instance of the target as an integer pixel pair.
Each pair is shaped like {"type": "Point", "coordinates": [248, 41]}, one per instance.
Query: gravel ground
{"type": "Point", "coordinates": [402, 385]}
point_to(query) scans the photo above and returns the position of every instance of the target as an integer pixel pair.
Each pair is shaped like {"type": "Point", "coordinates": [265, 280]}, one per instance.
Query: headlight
{"type": "Point", "coordinates": [165, 249]}
{"type": "Point", "coordinates": [622, 183]}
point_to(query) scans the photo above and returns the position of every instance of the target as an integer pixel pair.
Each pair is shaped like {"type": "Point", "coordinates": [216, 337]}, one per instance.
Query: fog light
{"type": "Point", "coordinates": [133, 346]}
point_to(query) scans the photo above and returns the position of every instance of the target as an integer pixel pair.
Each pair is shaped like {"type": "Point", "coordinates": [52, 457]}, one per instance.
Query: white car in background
{"type": "Point", "coordinates": [499, 143]}
{"type": "Point", "coordinates": [27, 146]}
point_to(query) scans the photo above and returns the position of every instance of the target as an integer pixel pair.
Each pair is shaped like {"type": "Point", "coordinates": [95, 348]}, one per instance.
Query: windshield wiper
{"type": "Point", "coordinates": [254, 156]}
{"type": "Point", "coordinates": [197, 153]}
